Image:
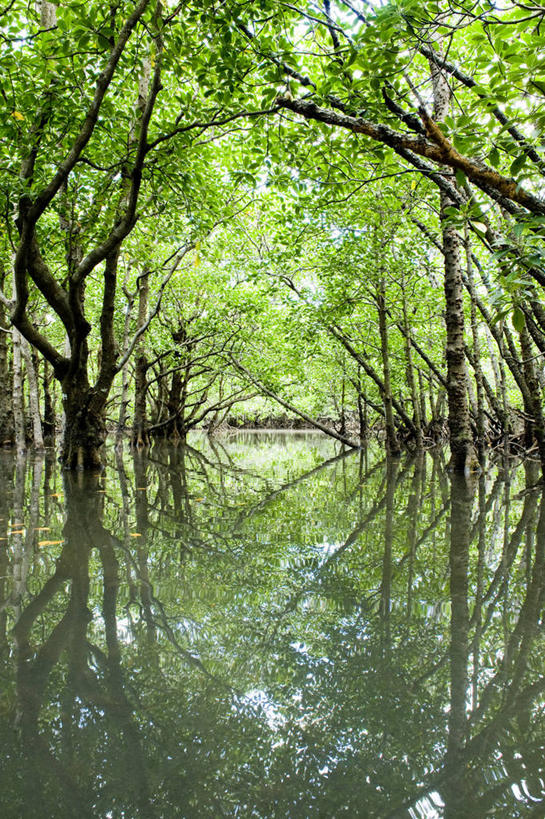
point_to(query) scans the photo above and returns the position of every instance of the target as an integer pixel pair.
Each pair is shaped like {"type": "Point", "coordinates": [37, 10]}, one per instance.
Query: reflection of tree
{"type": "Point", "coordinates": [85, 688]}
{"type": "Point", "coordinates": [217, 633]}
{"type": "Point", "coordinates": [456, 794]}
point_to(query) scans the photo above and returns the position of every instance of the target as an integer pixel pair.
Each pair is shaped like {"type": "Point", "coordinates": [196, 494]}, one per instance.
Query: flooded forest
{"type": "Point", "coordinates": [272, 418]}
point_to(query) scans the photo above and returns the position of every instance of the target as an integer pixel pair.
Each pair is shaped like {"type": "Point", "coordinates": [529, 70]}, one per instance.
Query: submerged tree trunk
{"type": "Point", "coordinates": [463, 456]}
{"type": "Point", "coordinates": [84, 423]}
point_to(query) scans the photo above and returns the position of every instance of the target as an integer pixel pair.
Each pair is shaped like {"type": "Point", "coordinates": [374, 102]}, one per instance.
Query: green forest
{"type": "Point", "coordinates": [269, 214]}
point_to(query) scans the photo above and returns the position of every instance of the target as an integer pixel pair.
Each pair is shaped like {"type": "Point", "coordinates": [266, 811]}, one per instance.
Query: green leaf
{"type": "Point", "coordinates": [460, 178]}
{"type": "Point", "coordinates": [494, 157]}
{"type": "Point", "coordinates": [518, 320]}
{"type": "Point", "coordinates": [517, 164]}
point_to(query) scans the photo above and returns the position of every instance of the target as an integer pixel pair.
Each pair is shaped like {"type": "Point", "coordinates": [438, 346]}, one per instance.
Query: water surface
{"type": "Point", "coordinates": [265, 626]}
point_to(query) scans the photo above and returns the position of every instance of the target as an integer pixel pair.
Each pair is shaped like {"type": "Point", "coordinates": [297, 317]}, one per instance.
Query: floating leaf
{"type": "Point", "coordinates": [49, 542]}
{"type": "Point", "coordinates": [135, 534]}
{"type": "Point", "coordinates": [18, 116]}
{"type": "Point", "coordinates": [42, 528]}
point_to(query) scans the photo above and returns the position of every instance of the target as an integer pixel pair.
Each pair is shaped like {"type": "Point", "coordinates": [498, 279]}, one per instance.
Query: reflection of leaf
{"type": "Point", "coordinates": [49, 542]}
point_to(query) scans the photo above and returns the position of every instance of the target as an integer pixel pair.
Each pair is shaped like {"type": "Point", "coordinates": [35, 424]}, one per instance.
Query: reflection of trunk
{"type": "Point", "coordinates": [83, 531]}
{"type": "Point", "coordinates": [142, 525]}
{"type": "Point", "coordinates": [413, 514]}
{"type": "Point", "coordinates": [386, 583]}
{"type": "Point", "coordinates": [455, 793]}
{"type": "Point", "coordinates": [121, 710]}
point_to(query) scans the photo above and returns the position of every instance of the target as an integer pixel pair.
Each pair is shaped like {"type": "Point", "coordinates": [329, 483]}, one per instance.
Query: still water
{"type": "Point", "coordinates": [264, 626]}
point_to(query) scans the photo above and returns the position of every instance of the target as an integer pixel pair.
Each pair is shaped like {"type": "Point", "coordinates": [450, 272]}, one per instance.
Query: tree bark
{"type": "Point", "coordinates": [18, 406]}
{"type": "Point", "coordinates": [33, 396]}
{"type": "Point", "coordinates": [140, 436]}
{"type": "Point", "coordinates": [463, 456]}
{"type": "Point", "coordinates": [392, 443]}
{"type": "Point", "coordinates": [410, 374]}
{"type": "Point", "coordinates": [7, 432]}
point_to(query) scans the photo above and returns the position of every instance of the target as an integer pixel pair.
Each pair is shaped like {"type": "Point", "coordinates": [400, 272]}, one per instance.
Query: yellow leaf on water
{"type": "Point", "coordinates": [17, 115]}
{"type": "Point", "coordinates": [199, 499]}
{"type": "Point", "coordinates": [56, 495]}
{"type": "Point", "coordinates": [42, 528]}
{"type": "Point", "coordinates": [16, 532]}
{"type": "Point", "coordinates": [135, 534]}
{"type": "Point", "coordinates": [49, 542]}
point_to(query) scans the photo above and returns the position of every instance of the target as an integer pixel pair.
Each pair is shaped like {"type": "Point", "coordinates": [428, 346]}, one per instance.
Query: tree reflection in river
{"type": "Point", "coordinates": [263, 627]}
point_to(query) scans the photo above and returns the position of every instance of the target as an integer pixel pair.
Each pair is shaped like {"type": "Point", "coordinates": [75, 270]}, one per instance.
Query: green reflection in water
{"type": "Point", "coordinates": [263, 626]}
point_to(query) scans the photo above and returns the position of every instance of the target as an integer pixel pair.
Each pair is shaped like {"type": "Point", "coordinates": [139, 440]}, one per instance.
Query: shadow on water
{"type": "Point", "coordinates": [264, 626]}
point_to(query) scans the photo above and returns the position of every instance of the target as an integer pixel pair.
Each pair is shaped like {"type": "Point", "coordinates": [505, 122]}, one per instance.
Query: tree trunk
{"type": "Point", "coordinates": [477, 369]}
{"type": "Point", "coordinates": [463, 456]}
{"type": "Point", "coordinates": [7, 433]}
{"type": "Point", "coordinates": [84, 428]}
{"type": "Point", "coordinates": [49, 423]}
{"type": "Point", "coordinates": [172, 429]}
{"type": "Point", "coordinates": [536, 428]}
{"type": "Point", "coordinates": [410, 374]}
{"type": "Point", "coordinates": [140, 437]}
{"type": "Point", "coordinates": [18, 407]}
{"type": "Point", "coordinates": [33, 396]}
{"type": "Point", "coordinates": [392, 443]}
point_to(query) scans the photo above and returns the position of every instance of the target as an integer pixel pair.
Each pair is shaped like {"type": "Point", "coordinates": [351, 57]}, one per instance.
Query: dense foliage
{"type": "Point", "coordinates": [207, 204]}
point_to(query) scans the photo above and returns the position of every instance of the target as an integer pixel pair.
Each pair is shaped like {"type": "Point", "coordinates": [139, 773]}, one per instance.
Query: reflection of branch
{"type": "Point", "coordinates": [352, 538]}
